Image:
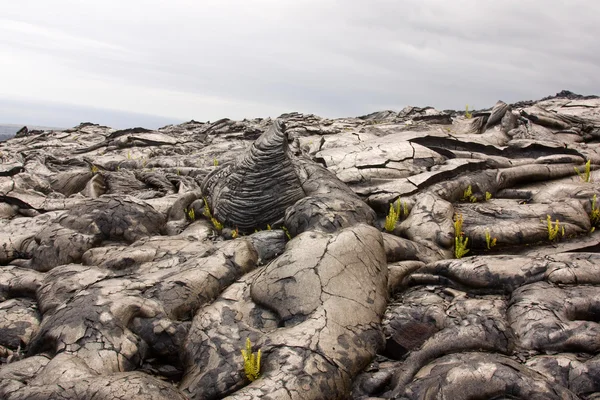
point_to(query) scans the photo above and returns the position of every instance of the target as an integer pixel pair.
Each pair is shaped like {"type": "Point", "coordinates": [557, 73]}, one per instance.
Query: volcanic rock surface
{"type": "Point", "coordinates": [117, 279]}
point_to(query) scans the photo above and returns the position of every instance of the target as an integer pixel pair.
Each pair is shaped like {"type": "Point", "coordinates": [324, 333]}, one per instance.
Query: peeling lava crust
{"type": "Point", "coordinates": [114, 285]}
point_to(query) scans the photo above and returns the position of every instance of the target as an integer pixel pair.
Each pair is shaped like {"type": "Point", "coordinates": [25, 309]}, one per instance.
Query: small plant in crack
{"type": "Point", "coordinates": [398, 210]}
{"type": "Point", "coordinates": [404, 206]}
{"type": "Point", "coordinates": [460, 240]}
{"type": "Point", "coordinates": [468, 195]}
{"type": "Point", "coordinates": [287, 232]}
{"type": "Point", "coordinates": [586, 174]}
{"type": "Point", "coordinates": [392, 218]}
{"type": "Point", "coordinates": [554, 229]}
{"type": "Point", "coordinates": [468, 115]}
{"type": "Point", "coordinates": [489, 241]}
{"type": "Point", "coordinates": [191, 214]}
{"type": "Point", "coordinates": [218, 225]}
{"type": "Point", "coordinates": [595, 213]}
{"type": "Point", "coordinates": [251, 362]}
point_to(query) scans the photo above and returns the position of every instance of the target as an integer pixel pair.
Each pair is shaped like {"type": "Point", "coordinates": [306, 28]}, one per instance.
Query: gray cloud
{"type": "Point", "coordinates": [234, 58]}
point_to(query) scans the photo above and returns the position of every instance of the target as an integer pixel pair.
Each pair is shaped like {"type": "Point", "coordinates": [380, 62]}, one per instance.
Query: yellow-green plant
{"type": "Point", "coordinates": [468, 192]}
{"type": "Point", "coordinates": [235, 233]}
{"type": "Point", "coordinates": [488, 239]}
{"type": "Point", "coordinates": [287, 232]}
{"type": "Point", "coordinates": [488, 196]}
{"type": "Point", "coordinates": [554, 228]}
{"type": "Point", "coordinates": [251, 362]}
{"type": "Point", "coordinates": [206, 212]}
{"type": "Point", "coordinates": [595, 214]}
{"type": "Point", "coordinates": [468, 195]}
{"type": "Point", "coordinates": [392, 217]}
{"type": "Point", "coordinates": [468, 115]}
{"type": "Point", "coordinates": [94, 169]}
{"type": "Point", "coordinates": [215, 162]}
{"type": "Point", "coordinates": [460, 240]}
{"type": "Point", "coordinates": [268, 227]}
{"type": "Point", "coordinates": [218, 225]}
{"type": "Point", "coordinates": [586, 175]}
{"type": "Point", "coordinates": [404, 208]}
{"type": "Point", "coordinates": [128, 155]}
{"type": "Point", "coordinates": [191, 214]}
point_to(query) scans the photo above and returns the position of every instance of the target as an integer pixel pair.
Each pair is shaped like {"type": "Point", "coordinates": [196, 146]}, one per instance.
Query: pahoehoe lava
{"type": "Point", "coordinates": [114, 285]}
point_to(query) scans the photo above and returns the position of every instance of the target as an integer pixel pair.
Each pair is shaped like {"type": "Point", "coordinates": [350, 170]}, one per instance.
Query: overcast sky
{"type": "Point", "coordinates": [128, 63]}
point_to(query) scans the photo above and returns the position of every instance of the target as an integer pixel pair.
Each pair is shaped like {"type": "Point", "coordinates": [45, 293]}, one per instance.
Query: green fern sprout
{"type": "Point", "coordinates": [458, 221]}
{"type": "Point", "coordinates": [268, 227]}
{"type": "Point", "coordinates": [287, 232]}
{"type": "Point", "coordinates": [488, 239]}
{"type": "Point", "coordinates": [488, 196]}
{"type": "Point", "coordinates": [460, 246]}
{"type": "Point", "coordinates": [401, 205]}
{"type": "Point", "coordinates": [218, 225]}
{"type": "Point", "coordinates": [595, 214]}
{"type": "Point", "coordinates": [206, 212]}
{"type": "Point", "coordinates": [392, 217]}
{"type": "Point", "coordinates": [191, 214]}
{"type": "Point", "coordinates": [460, 240]}
{"type": "Point", "coordinates": [468, 195]}
{"type": "Point", "coordinates": [468, 115]}
{"type": "Point", "coordinates": [586, 175]}
{"type": "Point", "coordinates": [215, 162]}
{"type": "Point", "coordinates": [251, 362]}
{"type": "Point", "coordinates": [554, 229]}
